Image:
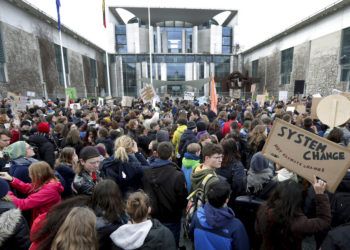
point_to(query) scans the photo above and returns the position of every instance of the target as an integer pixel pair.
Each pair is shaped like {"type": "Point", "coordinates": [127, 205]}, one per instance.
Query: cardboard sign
{"type": "Point", "coordinates": [237, 93]}
{"type": "Point", "coordinates": [283, 96]}
{"type": "Point", "coordinates": [127, 101]}
{"type": "Point", "coordinates": [301, 109]}
{"type": "Point", "coordinates": [253, 88]}
{"type": "Point", "coordinates": [30, 93]}
{"type": "Point", "coordinates": [333, 110]}
{"type": "Point", "coordinates": [202, 100]}
{"type": "Point", "coordinates": [147, 93]}
{"type": "Point", "coordinates": [307, 154]}
{"type": "Point", "coordinates": [37, 102]}
{"type": "Point", "coordinates": [261, 99]}
{"type": "Point", "coordinates": [100, 102]}
{"type": "Point", "coordinates": [75, 106]}
{"type": "Point", "coordinates": [72, 93]}
{"type": "Point", "coordinates": [315, 102]}
{"type": "Point", "coordinates": [290, 108]}
{"type": "Point", "coordinates": [189, 96]}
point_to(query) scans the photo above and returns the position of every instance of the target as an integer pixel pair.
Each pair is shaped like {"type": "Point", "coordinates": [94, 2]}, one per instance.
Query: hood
{"type": "Point", "coordinates": [190, 160]}
{"type": "Point", "coordinates": [131, 236]}
{"type": "Point", "coordinates": [38, 139]}
{"type": "Point", "coordinates": [181, 129]}
{"type": "Point", "coordinates": [8, 222]}
{"type": "Point", "coordinates": [217, 217]}
{"type": "Point", "coordinates": [23, 161]}
{"type": "Point", "coordinates": [54, 185]}
{"type": "Point", "coordinates": [157, 163]}
{"type": "Point", "coordinates": [198, 175]}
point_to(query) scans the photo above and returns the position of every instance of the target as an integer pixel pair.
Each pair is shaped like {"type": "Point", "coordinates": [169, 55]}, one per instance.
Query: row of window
{"type": "Point", "coordinates": [161, 58]}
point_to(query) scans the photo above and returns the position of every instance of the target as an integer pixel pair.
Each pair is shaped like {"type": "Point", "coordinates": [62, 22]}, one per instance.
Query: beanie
{"type": "Point", "coordinates": [191, 125]}
{"type": "Point", "coordinates": [16, 150]}
{"type": "Point", "coordinates": [162, 135]}
{"type": "Point", "coordinates": [44, 127]}
{"type": "Point", "coordinates": [88, 152]}
{"type": "Point", "coordinates": [4, 188]}
{"type": "Point", "coordinates": [258, 162]}
{"type": "Point", "coordinates": [201, 126]}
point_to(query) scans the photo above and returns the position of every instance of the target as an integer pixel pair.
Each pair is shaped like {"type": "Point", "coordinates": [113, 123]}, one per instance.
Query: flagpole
{"type": "Point", "coordinates": [150, 45]}
{"type": "Point", "coordinates": [62, 59]}
{"type": "Point", "coordinates": [107, 58]}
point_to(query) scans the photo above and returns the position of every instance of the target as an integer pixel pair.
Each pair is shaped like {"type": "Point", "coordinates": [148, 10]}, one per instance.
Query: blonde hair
{"type": "Point", "coordinates": [137, 206]}
{"type": "Point", "coordinates": [40, 172]}
{"type": "Point", "coordinates": [193, 148]}
{"type": "Point", "coordinates": [122, 147]}
{"type": "Point", "coordinates": [77, 232]}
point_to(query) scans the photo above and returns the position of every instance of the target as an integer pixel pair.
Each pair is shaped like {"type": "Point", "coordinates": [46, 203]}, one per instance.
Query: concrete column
{"type": "Point", "coordinates": [163, 71]}
{"type": "Point", "coordinates": [183, 41]}
{"type": "Point", "coordinates": [159, 41]}
{"type": "Point", "coordinates": [164, 42]}
{"type": "Point", "coordinates": [138, 78]}
{"type": "Point", "coordinates": [195, 39]}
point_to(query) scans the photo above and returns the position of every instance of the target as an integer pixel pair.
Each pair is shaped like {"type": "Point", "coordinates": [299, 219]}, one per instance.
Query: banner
{"type": "Point", "coordinates": [307, 154]}
{"type": "Point", "coordinates": [260, 99]}
{"type": "Point", "coordinates": [213, 97]}
{"type": "Point", "coordinates": [189, 96]}
{"type": "Point", "coordinates": [72, 93]}
{"type": "Point", "coordinates": [147, 93]}
{"type": "Point", "coordinates": [283, 96]}
{"type": "Point", "coordinates": [127, 101]}
{"type": "Point", "coordinates": [75, 106]}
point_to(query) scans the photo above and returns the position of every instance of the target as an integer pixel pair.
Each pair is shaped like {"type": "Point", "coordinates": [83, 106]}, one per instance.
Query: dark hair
{"type": "Point", "coordinates": [308, 122]}
{"type": "Point", "coordinates": [232, 115]}
{"type": "Point", "coordinates": [153, 125]}
{"type": "Point", "coordinates": [336, 135]}
{"type": "Point", "coordinates": [196, 112]}
{"type": "Point", "coordinates": [102, 132]}
{"type": "Point", "coordinates": [218, 192]}
{"type": "Point", "coordinates": [164, 150]}
{"type": "Point", "coordinates": [107, 199]}
{"type": "Point", "coordinates": [287, 117]}
{"type": "Point", "coordinates": [137, 206]}
{"type": "Point", "coordinates": [182, 121]}
{"type": "Point", "coordinates": [231, 152]}
{"type": "Point", "coordinates": [5, 132]}
{"type": "Point", "coordinates": [55, 218]}
{"type": "Point", "coordinates": [210, 149]}
{"type": "Point", "coordinates": [281, 209]}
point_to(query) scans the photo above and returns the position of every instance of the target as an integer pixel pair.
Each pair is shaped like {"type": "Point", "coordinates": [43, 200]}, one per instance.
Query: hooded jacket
{"type": "Point", "coordinates": [198, 176]}
{"type": "Point", "coordinates": [150, 234]}
{"type": "Point", "coordinates": [14, 231]}
{"type": "Point", "coordinates": [186, 138]}
{"type": "Point", "coordinates": [46, 148]}
{"type": "Point", "coordinates": [177, 136]}
{"type": "Point", "coordinates": [189, 163]}
{"type": "Point", "coordinates": [40, 200]}
{"type": "Point", "coordinates": [166, 185]}
{"type": "Point", "coordinates": [217, 228]}
{"type": "Point", "coordinates": [19, 168]}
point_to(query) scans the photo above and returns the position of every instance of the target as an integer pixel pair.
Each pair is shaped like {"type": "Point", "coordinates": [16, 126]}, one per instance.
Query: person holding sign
{"type": "Point", "coordinates": [281, 224]}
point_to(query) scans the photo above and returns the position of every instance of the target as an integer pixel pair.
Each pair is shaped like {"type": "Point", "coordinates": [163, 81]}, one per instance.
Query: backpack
{"type": "Point", "coordinates": [340, 208]}
{"type": "Point", "coordinates": [196, 199]}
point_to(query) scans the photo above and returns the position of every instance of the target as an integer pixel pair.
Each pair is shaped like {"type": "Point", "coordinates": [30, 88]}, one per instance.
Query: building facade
{"type": "Point", "coordinates": [308, 58]}
{"type": "Point", "coordinates": [186, 47]}
{"type": "Point", "coordinates": [30, 56]}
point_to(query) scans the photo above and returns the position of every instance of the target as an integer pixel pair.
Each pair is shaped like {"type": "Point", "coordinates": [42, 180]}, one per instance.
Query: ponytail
{"type": "Point", "coordinates": [121, 154]}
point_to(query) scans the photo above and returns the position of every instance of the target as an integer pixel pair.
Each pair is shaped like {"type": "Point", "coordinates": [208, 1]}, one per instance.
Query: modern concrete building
{"type": "Point", "coordinates": [30, 58]}
{"type": "Point", "coordinates": [186, 46]}
{"type": "Point", "coordinates": [310, 57]}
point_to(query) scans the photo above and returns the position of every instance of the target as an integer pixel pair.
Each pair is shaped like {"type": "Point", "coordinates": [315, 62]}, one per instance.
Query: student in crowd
{"type": "Point", "coordinates": [214, 225]}
{"type": "Point", "coordinates": [190, 161]}
{"type": "Point", "coordinates": [142, 232]}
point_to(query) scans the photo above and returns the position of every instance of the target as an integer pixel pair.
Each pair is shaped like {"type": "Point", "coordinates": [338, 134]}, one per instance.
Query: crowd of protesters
{"type": "Point", "coordinates": [113, 177]}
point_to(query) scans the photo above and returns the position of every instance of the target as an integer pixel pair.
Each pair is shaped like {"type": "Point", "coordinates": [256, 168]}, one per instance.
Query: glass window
{"type": "Point", "coordinates": [345, 74]}
{"type": "Point", "coordinates": [120, 29]}
{"type": "Point", "coordinates": [93, 72]}
{"type": "Point", "coordinates": [58, 58]}
{"type": "Point", "coordinates": [255, 65]}
{"type": "Point", "coordinates": [174, 41]}
{"type": "Point", "coordinates": [121, 39]}
{"type": "Point", "coordinates": [122, 49]}
{"type": "Point", "coordinates": [226, 41]}
{"type": "Point", "coordinates": [226, 49]}
{"type": "Point", "coordinates": [345, 50]}
{"type": "Point", "coordinates": [286, 65]}
{"type": "Point", "coordinates": [129, 79]}
{"type": "Point", "coordinates": [129, 59]}
{"type": "Point", "coordinates": [226, 31]}
{"type": "Point", "coordinates": [176, 72]}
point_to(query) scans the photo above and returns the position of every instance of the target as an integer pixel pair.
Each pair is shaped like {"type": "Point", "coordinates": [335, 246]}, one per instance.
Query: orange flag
{"type": "Point", "coordinates": [104, 13]}
{"type": "Point", "coordinates": [213, 97]}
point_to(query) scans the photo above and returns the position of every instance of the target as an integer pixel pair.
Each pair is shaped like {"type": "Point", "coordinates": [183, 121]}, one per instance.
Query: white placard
{"type": "Point", "coordinates": [283, 96]}
{"type": "Point", "coordinates": [75, 106]}
{"type": "Point", "coordinates": [189, 96]}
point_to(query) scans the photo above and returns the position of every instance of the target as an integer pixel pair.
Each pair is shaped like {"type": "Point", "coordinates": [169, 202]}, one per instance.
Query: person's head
{"type": "Point", "coordinates": [165, 150]}
{"type": "Point", "coordinates": [191, 125]}
{"type": "Point", "coordinates": [232, 115]}
{"type": "Point", "coordinates": [201, 126]}
{"type": "Point", "coordinates": [73, 137]}
{"type": "Point", "coordinates": [89, 159]}
{"type": "Point", "coordinates": [162, 135]}
{"type": "Point", "coordinates": [212, 155]}
{"type": "Point", "coordinates": [5, 138]}
{"type": "Point", "coordinates": [336, 135]}
{"type": "Point", "coordinates": [40, 173]}
{"type": "Point", "coordinates": [78, 231]}
{"type": "Point", "coordinates": [102, 132]}
{"type": "Point", "coordinates": [68, 155]}
{"type": "Point", "coordinates": [43, 127]}
{"type": "Point", "coordinates": [154, 126]}
{"type": "Point", "coordinates": [231, 152]}
{"type": "Point", "coordinates": [287, 117]}
{"type": "Point", "coordinates": [138, 206]}
{"type": "Point", "coordinates": [132, 124]}
{"type": "Point", "coordinates": [308, 122]}
{"type": "Point", "coordinates": [258, 163]}
{"type": "Point", "coordinates": [153, 145]}
{"type": "Point", "coordinates": [107, 200]}
{"type": "Point", "coordinates": [218, 193]}
{"type": "Point", "coordinates": [195, 115]}
{"type": "Point", "coordinates": [194, 148]}
{"type": "Point", "coordinates": [19, 149]}
{"type": "Point", "coordinates": [181, 121]}
{"type": "Point", "coordinates": [122, 147]}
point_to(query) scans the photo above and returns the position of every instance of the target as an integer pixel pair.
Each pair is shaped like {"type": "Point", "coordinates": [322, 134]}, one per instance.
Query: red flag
{"type": "Point", "coordinates": [213, 97]}
{"type": "Point", "coordinates": [104, 12]}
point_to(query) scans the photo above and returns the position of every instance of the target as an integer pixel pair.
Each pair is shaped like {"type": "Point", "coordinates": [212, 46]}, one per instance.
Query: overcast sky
{"type": "Point", "coordinates": [257, 19]}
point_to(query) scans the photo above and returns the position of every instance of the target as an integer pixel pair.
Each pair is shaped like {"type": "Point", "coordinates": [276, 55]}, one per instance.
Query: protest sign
{"type": "Point", "coordinates": [237, 93]}
{"type": "Point", "coordinates": [301, 108]}
{"type": "Point", "coordinates": [100, 102]}
{"type": "Point", "coordinates": [30, 94]}
{"type": "Point", "coordinates": [147, 93]}
{"type": "Point", "coordinates": [127, 101]}
{"type": "Point", "coordinates": [75, 106]}
{"type": "Point", "coordinates": [307, 154]}
{"type": "Point", "coordinates": [283, 96]}
{"type": "Point", "coordinates": [189, 96]}
{"type": "Point", "coordinates": [333, 110]}
{"type": "Point", "coordinates": [37, 102]}
{"type": "Point", "coordinates": [253, 88]}
{"type": "Point", "coordinates": [72, 93]}
{"type": "Point", "coordinates": [290, 108]}
{"type": "Point", "coordinates": [202, 100]}
{"type": "Point", "coordinates": [315, 102]}
{"type": "Point", "coordinates": [260, 99]}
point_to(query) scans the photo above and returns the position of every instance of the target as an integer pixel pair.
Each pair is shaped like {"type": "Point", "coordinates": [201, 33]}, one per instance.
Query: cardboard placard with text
{"type": "Point", "coordinates": [260, 99]}
{"type": "Point", "coordinates": [307, 154]}
{"type": "Point", "coordinates": [315, 102]}
{"type": "Point", "coordinates": [127, 101]}
{"type": "Point", "coordinates": [147, 93]}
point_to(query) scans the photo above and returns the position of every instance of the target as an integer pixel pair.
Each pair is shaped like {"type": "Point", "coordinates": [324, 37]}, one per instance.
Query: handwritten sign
{"type": "Point", "coordinates": [307, 154]}
{"type": "Point", "coordinates": [127, 101]}
{"type": "Point", "coordinates": [261, 99]}
{"type": "Point", "coordinates": [147, 93]}
{"type": "Point", "coordinates": [189, 96]}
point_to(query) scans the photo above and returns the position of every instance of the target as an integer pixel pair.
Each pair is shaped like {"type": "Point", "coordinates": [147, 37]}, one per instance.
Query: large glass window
{"type": "Point", "coordinates": [129, 79]}
{"type": "Point", "coordinates": [226, 40]}
{"type": "Point", "coordinates": [286, 65]}
{"type": "Point", "coordinates": [222, 70]}
{"type": "Point", "coordinates": [345, 56]}
{"type": "Point", "coordinates": [59, 64]}
{"type": "Point", "coordinates": [255, 65]}
{"type": "Point", "coordinates": [174, 40]}
{"type": "Point", "coordinates": [120, 38]}
{"type": "Point", "coordinates": [189, 40]}
{"type": "Point", "coordinates": [2, 61]}
{"type": "Point", "coordinates": [93, 72]}
{"type": "Point", "coordinates": [175, 71]}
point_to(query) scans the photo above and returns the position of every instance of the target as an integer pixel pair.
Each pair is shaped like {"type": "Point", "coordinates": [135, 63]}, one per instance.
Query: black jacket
{"type": "Point", "coordinates": [45, 148]}
{"type": "Point", "coordinates": [14, 231]}
{"type": "Point", "coordinates": [186, 138]}
{"type": "Point", "coordinates": [67, 173]}
{"type": "Point", "coordinates": [338, 238]}
{"type": "Point", "coordinates": [166, 185]}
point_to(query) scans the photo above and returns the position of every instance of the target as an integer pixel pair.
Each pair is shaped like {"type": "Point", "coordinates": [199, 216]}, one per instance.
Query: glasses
{"type": "Point", "coordinates": [217, 157]}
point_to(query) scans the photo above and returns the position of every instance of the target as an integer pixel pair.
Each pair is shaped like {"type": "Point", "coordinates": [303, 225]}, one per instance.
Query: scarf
{"type": "Point", "coordinates": [256, 180]}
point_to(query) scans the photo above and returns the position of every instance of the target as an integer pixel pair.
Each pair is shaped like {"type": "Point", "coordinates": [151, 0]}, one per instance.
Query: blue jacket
{"type": "Point", "coordinates": [217, 228]}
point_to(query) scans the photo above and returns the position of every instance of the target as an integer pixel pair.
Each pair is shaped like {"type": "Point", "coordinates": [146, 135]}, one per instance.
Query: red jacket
{"type": "Point", "coordinates": [40, 201]}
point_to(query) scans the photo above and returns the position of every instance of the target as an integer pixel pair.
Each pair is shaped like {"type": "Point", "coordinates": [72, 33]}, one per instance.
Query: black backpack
{"type": "Point", "coordinates": [340, 208]}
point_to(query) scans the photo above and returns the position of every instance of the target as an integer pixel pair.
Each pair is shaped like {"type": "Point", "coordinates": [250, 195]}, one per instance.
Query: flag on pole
{"type": "Point", "coordinates": [104, 12]}
{"type": "Point", "coordinates": [58, 5]}
{"type": "Point", "coordinates": [213, 97]}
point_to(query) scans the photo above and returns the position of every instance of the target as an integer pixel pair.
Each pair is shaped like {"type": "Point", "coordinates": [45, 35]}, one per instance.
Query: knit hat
{"type": "Point", "coordinates": [88, 152]}
{"type": "Point", "coordinates": [162, 135]}
{"type": "Point", "coordinates": [44, 127]}
{"type": "Point", "coordinates": [16, 150]}
{"type": "Point", "coordinates": [258, 162]}
{"type": "Point", "coordinates": [101, 150]}
{"type": "Point", "coordinates": [4, 188]}
{"type": "Point", "coordinates": [191, 125]}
